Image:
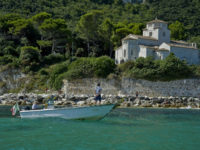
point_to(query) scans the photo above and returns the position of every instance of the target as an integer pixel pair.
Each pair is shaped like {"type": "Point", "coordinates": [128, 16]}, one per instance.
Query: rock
{"type": "Point", "coordinates": [142, 98]}
{"type": "Point", "coordinates": [127, 104]}
{"type": "Point", "coordinates": [58, 102]}
{"type": "Point", "coordinates": [103, 102]}
{"type": "Point", "coordinates": [146, 104]}
{"type": "Point", "coordinates": [3, 102]}
{"type": "Point", "coordinates": [28, 103]}
{"type": "Point", "coordinates": [69, 103]}
{"type": "Point", "coordinates": [190, 99]}
{"type": "Point", "coordinates": [118, 97]}
{"type": "Point", "coordinates": [81, 103]}
{"type": "Point", "coordinates": [92, 102]}
{"type": "Point", "coordinates": [137, 102]}
{"type": "Point", "coordinates": [146, 98]}
{"type": "Point", "coordinates": [73, 98]}
{"type": "Point", "coordinates": [40, 98]}
{"type": "Point", "coordinates": [132, 98]}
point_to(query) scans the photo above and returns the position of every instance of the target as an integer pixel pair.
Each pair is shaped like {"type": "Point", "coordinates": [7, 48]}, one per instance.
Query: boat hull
{"type": "Point", "coordinates": [89, 112]}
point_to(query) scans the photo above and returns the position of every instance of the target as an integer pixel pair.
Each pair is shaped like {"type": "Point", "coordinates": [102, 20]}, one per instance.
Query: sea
{"type": "Point", "coordinates": [122, 129]}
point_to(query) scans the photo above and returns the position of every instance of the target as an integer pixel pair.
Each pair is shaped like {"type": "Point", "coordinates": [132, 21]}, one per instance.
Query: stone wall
{"type": "Point", "coordinates": [187, 87]}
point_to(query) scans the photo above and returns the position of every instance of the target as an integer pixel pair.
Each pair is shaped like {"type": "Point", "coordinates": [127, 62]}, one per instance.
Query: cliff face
{"type": "Point", "coordinates": [10, 79]}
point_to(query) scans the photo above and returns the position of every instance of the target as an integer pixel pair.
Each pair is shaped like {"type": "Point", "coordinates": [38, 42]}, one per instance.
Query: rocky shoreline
{"type": "Point", "coordinates": [122, 101]}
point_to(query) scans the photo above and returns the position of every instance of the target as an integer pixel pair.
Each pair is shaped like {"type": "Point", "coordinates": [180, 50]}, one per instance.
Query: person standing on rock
{"type": "Point", "coordinates": [98, 91]}
{"type": "Point", "coordinates": [136, 94]}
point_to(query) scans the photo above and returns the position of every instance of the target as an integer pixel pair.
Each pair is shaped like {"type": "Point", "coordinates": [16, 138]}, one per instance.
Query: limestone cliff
{"type": "Point", "coordinates": [10, 79]}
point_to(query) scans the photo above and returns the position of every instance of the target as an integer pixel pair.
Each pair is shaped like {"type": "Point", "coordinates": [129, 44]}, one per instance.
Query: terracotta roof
{"type": "Point", "coordinates": [181, 42]}
{"type": "Point", "coordinates": [183, 46]}
{"type": "Point", "coordinates": [155, 48]}
{"type": "Point", "coordinates": [157, 21]}
{"type": "Point", "coordinates": [162, 49]}
{"type": "Point", "coordinates": [132, 36]}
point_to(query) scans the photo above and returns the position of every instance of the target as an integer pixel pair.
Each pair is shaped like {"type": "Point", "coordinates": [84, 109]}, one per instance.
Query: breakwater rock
{"type": "Point", "coordinates": [86, 100]}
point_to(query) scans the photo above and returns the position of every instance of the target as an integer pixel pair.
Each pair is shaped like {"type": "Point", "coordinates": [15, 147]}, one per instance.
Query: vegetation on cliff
{"type": "Point", "coordinates": [53, 40]}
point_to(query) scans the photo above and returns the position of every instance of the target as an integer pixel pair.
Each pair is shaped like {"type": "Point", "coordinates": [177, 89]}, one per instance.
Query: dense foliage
{"type": "Point", "coordinates": [147, 68]}
{"type": "Point", "coordinates": [66, 38]}
{"type": "Point", "coordinates": [91, 27]}
{"type": "Point", "coordinates": [77, 69]}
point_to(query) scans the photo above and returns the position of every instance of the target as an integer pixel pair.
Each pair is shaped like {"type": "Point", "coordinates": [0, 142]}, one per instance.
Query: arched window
{"type": "Point", "coordinates": [124, 53]}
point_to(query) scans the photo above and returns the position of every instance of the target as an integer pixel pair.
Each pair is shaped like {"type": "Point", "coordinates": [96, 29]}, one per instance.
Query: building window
{"type": "Point", "coordinates": [131, 52]}
{"type": "Point", "coordinates": [124, 53]}
{"type": "Point", "coordinates": [150, 33]}
{"type": "Point", "coordinates": [164, 34]}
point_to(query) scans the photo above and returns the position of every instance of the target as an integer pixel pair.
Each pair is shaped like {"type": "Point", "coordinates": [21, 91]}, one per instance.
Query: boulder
{"type": "Point", "coordinates": [28, 103]}
{"type": "Point", "coordinates": [137, 101]}
{"type": "Point", "coordinates": [190, 99]}
{"type": "Point", "coordinates": [81, 103]}
{"type": "Point", "coordinates": [58, 102]}
{"type": "Point", "coordinates": [104, 102]}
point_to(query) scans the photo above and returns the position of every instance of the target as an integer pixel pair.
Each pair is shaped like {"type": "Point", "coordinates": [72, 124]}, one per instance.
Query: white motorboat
{"type": "Point", "coordinates": [88, 112]}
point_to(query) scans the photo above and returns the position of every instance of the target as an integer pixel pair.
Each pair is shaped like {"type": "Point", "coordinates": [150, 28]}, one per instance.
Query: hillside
{"type": "Point", "coordinates": [31, 32]}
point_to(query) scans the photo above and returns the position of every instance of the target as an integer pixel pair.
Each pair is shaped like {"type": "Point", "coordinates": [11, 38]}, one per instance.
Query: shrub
{"type": "Point", "coordinates": [170, 68]}
{"type": "Point", "coordinates": [57, 70]}
{"type": "Point", "coordinates": [29, 54]}
{"type": "Point", "coordinates": [91, 67]}
{"type": "Point", "coordinates": [81, 68]}
{"type": "Point", "coordinates": [104, 66]}
{"type": "Point", "coordinates": [9, 50]}
{"type": "Point", "coordinates": [43, 72]}
{"type": "Point", "coordinates": [53, 58]}
{"type": "Point", "coordinates": [126, 66]}
{"type": "Point", "coordinates": [5, 59]}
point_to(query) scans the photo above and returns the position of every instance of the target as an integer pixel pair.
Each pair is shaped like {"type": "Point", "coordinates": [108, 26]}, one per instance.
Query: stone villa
{"type": "Point", "coordinates": [156, 42]}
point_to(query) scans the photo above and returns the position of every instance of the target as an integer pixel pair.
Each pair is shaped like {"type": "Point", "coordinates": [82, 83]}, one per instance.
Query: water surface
{"type": "Point", "coordinates": [123, 129]}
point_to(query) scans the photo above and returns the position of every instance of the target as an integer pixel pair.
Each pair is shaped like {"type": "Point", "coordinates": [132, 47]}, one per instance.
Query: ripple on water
{"type": "Point", "coordinates": [123, 129]}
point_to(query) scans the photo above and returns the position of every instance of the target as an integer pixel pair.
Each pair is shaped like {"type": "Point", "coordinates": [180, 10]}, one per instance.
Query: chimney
{"type": "Point", "coordinates": [194, 45]}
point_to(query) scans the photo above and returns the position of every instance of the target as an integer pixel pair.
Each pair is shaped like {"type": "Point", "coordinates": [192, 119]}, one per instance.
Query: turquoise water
{"type": "Point", "coordinates": [123, 129]}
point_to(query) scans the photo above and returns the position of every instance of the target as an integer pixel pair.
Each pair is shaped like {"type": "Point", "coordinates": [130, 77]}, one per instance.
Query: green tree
{"type": "Point", "coordinates": [88, 27]}
{"type": "Point", "coordinates": [23, 28]}
{"type": "Point", "coordinates": [107, 29]}
{"type": "Point", "coordinates": [39, 18]}
{"type": "Point", "coordinates": [29, 55]}
{"type": "Point", "coordinates": [177, 31]}
{"type": "Point", "coordinates": [56, 31]}
{"type": "Point", "coordinates": [6, 22]}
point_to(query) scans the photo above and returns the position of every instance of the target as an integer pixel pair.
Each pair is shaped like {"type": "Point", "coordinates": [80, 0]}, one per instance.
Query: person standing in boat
{"type": "Point", "coordinates": [98, 91]}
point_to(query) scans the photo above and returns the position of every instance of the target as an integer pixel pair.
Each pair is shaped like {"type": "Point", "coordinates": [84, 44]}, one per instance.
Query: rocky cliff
{"type": "Point", "coordinates": [10, 79]}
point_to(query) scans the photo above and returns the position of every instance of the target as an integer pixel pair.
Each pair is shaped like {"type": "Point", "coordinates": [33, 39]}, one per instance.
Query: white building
{"type": "Point", "coordinates": [134, 1]}
{"type": "Point", "coordinates": [156, 42]}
